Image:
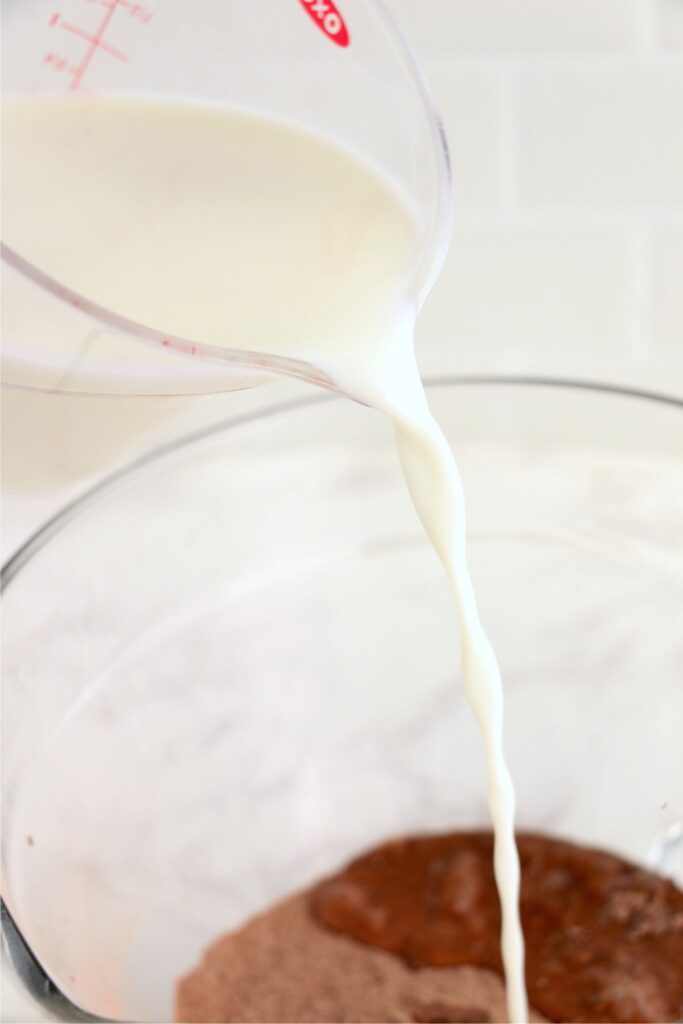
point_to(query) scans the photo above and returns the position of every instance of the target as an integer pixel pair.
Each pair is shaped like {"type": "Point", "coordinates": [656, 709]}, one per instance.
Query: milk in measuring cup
{"type": "Point", "coordinates": [244, 232]}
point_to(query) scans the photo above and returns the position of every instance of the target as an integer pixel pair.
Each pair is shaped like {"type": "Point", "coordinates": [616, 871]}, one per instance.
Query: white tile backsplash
{"type": "Point", "coordinates": [670, 24]}
{"type": "Point", "coordinates": [565, 123]}
{"type": "Point", "coordinates": [553, 286]}
{"type": "Point", "coordinates": [503, 27]}
{"type": "Point", "coordinates": [668, 289]}
{"type": "Point", "coordinates": [602, 136]}
{"type": "Point", "coordinates": [470, 102]}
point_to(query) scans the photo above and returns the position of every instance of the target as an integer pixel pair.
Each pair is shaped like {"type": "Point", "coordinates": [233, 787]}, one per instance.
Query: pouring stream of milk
{"type": "Point", "coordinates": [234, 230]}
{"type": "Point", "coordinates": [436, 489]}
{"type": "Point", "coordinates": [435, 485]}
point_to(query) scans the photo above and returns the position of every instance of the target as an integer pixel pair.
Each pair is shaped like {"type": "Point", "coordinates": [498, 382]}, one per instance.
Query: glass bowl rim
{"type": "Point", "coordinates": [160, 453]}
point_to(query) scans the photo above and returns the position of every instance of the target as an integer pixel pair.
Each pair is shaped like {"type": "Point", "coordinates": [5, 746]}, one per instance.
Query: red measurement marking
{"type": "Point", "coordinates": [95, 41]}
{"type": "Point", "coordinates": [82, 34]}
{"type": "Point", "coordinates": [137, 11]}
{"type": "Point", "coordinates": [326, 16]}
{"type": "Point", "coordinates": [57, 62]}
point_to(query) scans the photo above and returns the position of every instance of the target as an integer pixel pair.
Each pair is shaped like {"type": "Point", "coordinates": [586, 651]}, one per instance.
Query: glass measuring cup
{"type": "Point", "coordinates": [338, 69]}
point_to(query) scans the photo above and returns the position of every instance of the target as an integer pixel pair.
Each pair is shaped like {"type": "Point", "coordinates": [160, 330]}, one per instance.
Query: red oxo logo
{"type": "Point", "coordinates": [328, 19]}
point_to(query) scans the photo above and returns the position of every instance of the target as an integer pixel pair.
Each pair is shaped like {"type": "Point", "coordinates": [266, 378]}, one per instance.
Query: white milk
{"type": "Point", "coordinates": [237, 231]}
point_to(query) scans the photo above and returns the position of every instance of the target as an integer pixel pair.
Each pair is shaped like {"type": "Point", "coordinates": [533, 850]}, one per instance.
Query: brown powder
{"type": "Point", "coordinates": [604, 938]}
{"type": "Point", "coordinates": [410, 932]}
{"type": "Point", "coordinates": [283, 966]}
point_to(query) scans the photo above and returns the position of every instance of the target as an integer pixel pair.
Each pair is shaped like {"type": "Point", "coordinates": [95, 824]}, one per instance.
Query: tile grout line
{"type": "Point", "coordinates": [648, 57]}
{"type": "Point", "coordinates": [509, 171]}
{"type": "Point", "coordinates": [647, 28]}
{"type": "Point", "coordinates": [566, 216]}
{"type": "Point", "coordinates": [643, 287]}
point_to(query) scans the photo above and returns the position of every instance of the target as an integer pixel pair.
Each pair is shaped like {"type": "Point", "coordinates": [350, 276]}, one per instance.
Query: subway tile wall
{"type": "Point", "coordinates": [565, 123]}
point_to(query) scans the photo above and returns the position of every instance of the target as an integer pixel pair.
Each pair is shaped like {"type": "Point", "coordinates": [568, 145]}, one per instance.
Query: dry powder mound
{"type": "Point", "coordinates": [284, 967]}
{"type": "Point", "coordinates": [410, 931]}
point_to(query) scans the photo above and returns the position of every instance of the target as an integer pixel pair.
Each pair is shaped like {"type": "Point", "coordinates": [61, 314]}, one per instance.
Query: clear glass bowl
{"type": "Point", "coordinates": [234, 666]}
